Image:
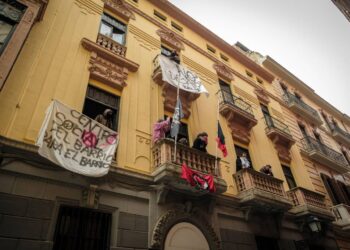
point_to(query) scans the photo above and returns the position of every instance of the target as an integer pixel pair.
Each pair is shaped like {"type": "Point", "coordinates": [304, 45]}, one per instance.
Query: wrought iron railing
{"type": "Point", "coordinates": [228, 98]}
{"type": "Point", "coordinates": [249, 178]}
{"type": "Point", "coordinates": [163, 152]}
{"type": "Point", "coordinates": [272, 122]}
{"type": "Point", "coordinates": [336, 128]}
{"type": "Point", "coordinates": [301, 196]}
{"type": "Point", "coordinates": [311, 144]}
{"type": "Point", "coordinates": [289, 98]}
{"type": "Point", "coordinates": [111, 45]}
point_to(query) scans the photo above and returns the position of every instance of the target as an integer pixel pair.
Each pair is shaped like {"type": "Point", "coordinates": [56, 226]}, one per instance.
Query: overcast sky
{"type": "Point", "coordinates": [310, 38]}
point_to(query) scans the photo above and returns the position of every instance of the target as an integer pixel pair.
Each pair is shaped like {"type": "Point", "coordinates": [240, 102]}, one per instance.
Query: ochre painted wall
{"type": "Point", "coordinates": [54, 65]}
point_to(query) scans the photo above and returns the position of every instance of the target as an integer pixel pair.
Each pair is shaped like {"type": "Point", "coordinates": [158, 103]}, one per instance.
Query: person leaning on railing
{"type": "Point", "coordinates": [201, 142]}
{"type": "Point", "coordinates": [160, 128]}
{"type": "Point", "coordinates": [266, 170]}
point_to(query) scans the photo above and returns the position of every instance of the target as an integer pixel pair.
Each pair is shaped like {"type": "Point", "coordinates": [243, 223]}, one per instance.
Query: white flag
{"type": "Point", "coordinates": [175, 74]}
{"type": "Point", "coordinates": [76, 142]}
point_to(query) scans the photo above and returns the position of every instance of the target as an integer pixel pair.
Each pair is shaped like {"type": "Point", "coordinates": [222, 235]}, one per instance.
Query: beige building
{"type": "Point", "coordinates": [94, 55]}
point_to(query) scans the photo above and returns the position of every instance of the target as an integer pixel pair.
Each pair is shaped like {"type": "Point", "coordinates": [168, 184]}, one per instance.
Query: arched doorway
{"type": "Point", "coordinates": [185, 236]}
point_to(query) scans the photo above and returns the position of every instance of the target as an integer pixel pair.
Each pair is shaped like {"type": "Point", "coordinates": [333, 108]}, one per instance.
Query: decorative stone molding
{"type": "Point", "coordinates": [240, 133]}
{"type": "Point", "coordinates": [108, 64]}
{"type": "Point", "coordinates": [104, 71]}
{"type": "Point", "coordinates": [120, 8]}
{"type": "Point", "coordinates": [262, 95]}
{"type": "Point", "coordinates": [283, 153]}
{"type": "Point", "coordinates": [170, 38]}
{"type": "Point", "coordinates": [172, 217]}
{"type": "Point", "coordinates": [223, 71]}
{"type": "Point", "coordinates": [91, 196]}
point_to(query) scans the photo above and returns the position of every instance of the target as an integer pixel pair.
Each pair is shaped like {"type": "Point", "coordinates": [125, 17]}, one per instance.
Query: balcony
{"type": "Point", "coordinates": [108, 63]}
{"type": "Point", "coordinates": [169, 92]}
{"type": "Point", "coordinates": [341, 135]}
{"type": "Point", "coordinates": [342, 216]}
{"type": "Point", "coordinates": [280, 135]}
{"type": "Point", "coordinates": [302, 109]}
{"type": "Point", "coordinates": [239, 115]}
{"type": "Point", "coordinates": [324, 155]}
{"type": "Point", "coordinates": [261, 191]}
{"type": "Point", "coordinates": [307, 202]}
{"type": "Point", "coordinates": [167, 171]}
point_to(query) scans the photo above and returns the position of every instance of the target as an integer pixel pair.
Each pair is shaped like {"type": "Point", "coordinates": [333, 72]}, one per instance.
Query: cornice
{"type": "Point", "coordinates": [278, 69]}
{"type": "Point", "coordinates": [204, 32]}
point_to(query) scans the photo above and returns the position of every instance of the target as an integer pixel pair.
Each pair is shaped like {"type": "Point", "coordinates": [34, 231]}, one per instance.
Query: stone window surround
{"type": "Point", "coordinates": [33, 13]}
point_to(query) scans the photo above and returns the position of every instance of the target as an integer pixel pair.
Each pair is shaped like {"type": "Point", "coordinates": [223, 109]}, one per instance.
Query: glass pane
{"type": "Point", "coordinates": [118, 37]}
{"type": "Point", "coordinates": [106, 30]}
{"type": "Point", "coordinates": [5, 29]}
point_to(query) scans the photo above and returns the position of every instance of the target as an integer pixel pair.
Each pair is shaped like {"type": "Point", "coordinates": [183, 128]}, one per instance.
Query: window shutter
{"type": "Point", "coordinates": [338, 192]}
{"type": "Point", "coordinates": [344, 192]}
{"type": "Point", "coordinates": [326, 183]}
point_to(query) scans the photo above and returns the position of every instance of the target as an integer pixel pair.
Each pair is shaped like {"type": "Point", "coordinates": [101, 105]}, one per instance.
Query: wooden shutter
{"type": "Point", "coordinates": [326, 183]}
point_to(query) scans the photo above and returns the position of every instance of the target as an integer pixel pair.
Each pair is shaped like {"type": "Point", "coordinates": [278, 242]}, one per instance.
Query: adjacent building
{"type": "Point", "coordinates": [94, 55]}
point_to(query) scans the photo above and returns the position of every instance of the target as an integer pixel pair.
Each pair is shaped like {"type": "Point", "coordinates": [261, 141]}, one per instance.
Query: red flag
{"type": "Point", "coordinates": [203, 181]}
{"type": "Point", "coordinates": [221, 141]}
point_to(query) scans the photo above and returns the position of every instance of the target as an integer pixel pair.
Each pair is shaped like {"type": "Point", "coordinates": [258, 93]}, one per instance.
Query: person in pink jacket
{"type": "Point", "coordinates": [160, 128]}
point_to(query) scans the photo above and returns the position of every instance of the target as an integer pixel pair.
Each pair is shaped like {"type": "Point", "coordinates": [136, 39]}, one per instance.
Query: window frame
{"type": "Point", "coordinates": [287, 171]}
{"type": "Point", "coordinates": [115, 25]}
{"type": "Point", "coordinates": [238, 149]}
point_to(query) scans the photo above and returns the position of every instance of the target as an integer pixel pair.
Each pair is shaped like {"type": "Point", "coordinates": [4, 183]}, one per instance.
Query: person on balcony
{"type": "Point", "coordinates": [201, 142]}
{"type": "Point", "coordinates": [160, 128]}
{"type": "Point", "coordinates": [174, 56]}
{"type": "Point", "coordinates": [106, 118]}
{"type": "Point", "coordinates": [242, 162]}
{"type": "Point", "coordinates": [266, 170]}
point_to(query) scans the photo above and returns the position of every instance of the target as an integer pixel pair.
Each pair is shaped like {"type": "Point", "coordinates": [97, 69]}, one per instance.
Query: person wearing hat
{"type": "Point", "coordinates": [201, 142]}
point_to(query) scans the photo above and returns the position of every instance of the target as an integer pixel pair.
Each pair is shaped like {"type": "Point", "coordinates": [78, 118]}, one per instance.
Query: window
{"type": "Point", "coordinates": [10, 15]}
{"type": "Point", "coordinates": [223, 57]}
{"type": "Point", "coordinates": [303, 131]}
{"type": "Point", "coordinates": [337, 191]}
{"type": "Point", "coordinates": [211, 49]}
{"type": "Point", "coordinates": [249, 73]}
{"type": "Point", "coordinates": [326, 119]}
{"type": "Point", "coordinates": [96, 103]}
{"type": "Point", "coordinates": [297, 95]}
{"type": "Point", "coordinates": [284, 88]}
{"type": "Point", "coordinates": [159, 15]}
{"type": "Point", "coordinates": [113, 28]}
{"type": "Point", "coordinates": [80, 228]}
{"type": "Point", "coordinates": [259, 80]}
{"type": "Point", "coordinates": [346, 156]}
{"type": "Point", "coordinates": [239, 150]}
{"type": "Point", "coordinates": [266, 243]}
{"type": "Point", "coordinates": [226, 93]}
{"type": "Point", "coordinates": [183, 132]}
{"type": "Point", "coordinates": [176, 26]}
{"type": "Point", "coordinates": [267, 116]}
{"type": "Point", "coordinates": [289, 177]}
{"type": "Point", "coordinates": [165, 51]}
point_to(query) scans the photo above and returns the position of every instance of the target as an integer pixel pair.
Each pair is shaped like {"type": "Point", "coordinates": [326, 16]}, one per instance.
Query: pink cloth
{"type": "Point", "coordinates": [159, 130]}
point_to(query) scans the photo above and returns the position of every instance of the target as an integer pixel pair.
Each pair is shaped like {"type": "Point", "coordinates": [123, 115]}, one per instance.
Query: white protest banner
{"type": "Point", "coordinates": [175, 74]}
{"type": "Point", "coordinates": [76, 142]}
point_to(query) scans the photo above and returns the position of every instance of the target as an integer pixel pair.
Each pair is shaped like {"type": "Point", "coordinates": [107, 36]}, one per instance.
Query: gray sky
{"type": "Point", "coordinates": [310, 38]}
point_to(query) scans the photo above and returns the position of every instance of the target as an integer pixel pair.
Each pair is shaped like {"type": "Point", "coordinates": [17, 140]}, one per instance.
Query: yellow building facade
{"type": "Point", "coordinates": [92, 55]}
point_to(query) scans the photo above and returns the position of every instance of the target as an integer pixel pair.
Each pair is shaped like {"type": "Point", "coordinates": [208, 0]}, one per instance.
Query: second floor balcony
{"type": "Point", "coordinates": [340, 135]}
{"type": "Point", "coordinates": [280, 135]}
{"type": "Point", "coordinates": [239, 115]}
{"type": "Point", "coordinates": [299, 107]}
{"type": "Point", "coordinates": [342, 216]}
{"type": "Point", "coordinates": [307, 202]}
{"type": "Point", "coordinates": [324, 155]}
{"type": "Point", "coordinates": [167, 170]}
{"type": "Point", "coordinates": [261, 191]}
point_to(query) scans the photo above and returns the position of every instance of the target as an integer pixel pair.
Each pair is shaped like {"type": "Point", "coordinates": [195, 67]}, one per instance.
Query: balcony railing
{"type": "Point", "coordinates": [228, 98]}
{"type": "Point", "coordinates": [273, 123]}
{"type": "Point", "coordinates": [342, 215]}
{"type": "Point", "coordinates": [163, 153]}
{"type": "Point", "coordinates": [301, 196]}
{"type": "Point", "coordinates": [340, 134]}
{"type": "Point", "coordinates": [250, 179]}
{"type": "Point", "coordinates": [111, 45]}
{"type": "Point", "coordinates": [311, 113]}
{"type": "Point", "coordinates": [323, 153]}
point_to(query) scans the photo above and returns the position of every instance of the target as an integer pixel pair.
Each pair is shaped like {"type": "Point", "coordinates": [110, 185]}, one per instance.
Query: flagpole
{"type": "Point", "coordinates": [177, 98]}
{"type": "Point", "coordinates": [217, 130]}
